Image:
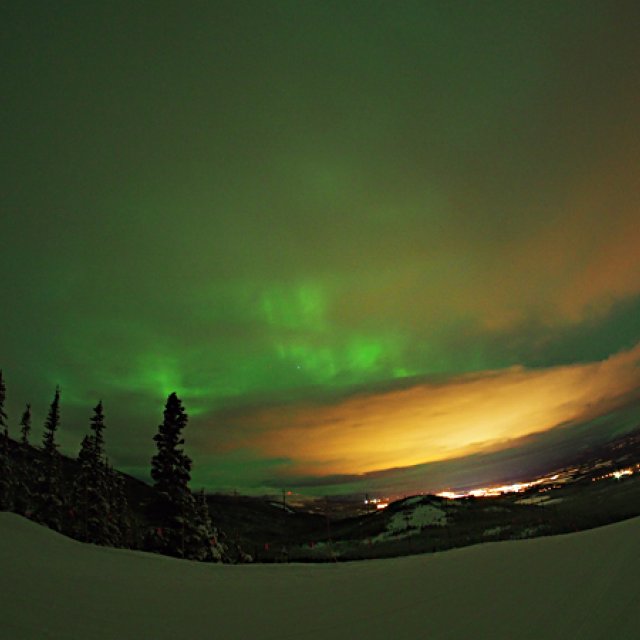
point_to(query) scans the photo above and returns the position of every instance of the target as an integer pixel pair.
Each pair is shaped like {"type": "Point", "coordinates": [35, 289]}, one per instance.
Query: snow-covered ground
{"type": "Point", "coordinates": [543, 499]}
{"type": "Point", "coordinates": [413, 518]}
{"type": "Point", "coordinates": [581, 586]}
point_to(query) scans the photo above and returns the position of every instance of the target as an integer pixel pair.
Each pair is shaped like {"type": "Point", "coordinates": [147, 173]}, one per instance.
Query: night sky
{"type": "Point", "coordinates": [362, 241]}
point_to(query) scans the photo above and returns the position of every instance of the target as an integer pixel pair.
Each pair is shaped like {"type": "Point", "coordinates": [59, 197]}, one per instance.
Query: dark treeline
{"type": "Point", "coordinates": [87, 500]}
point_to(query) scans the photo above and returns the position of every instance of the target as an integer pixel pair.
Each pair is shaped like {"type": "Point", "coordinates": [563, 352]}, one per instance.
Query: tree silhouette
{"type": "Point", "coordinates": [120, 522]}
{"type": "Point", "coordinates": [177, 532]}
{"type": "Point", "coordinates": [98, 505]}
{"type": "Point", "coordinates": [23, 492]}
{"type": "Point", "coordinates": [4, 428]}
{"type": "Point", "coordinates": [6, 468]}
{"type": "Point", "coordinates": [49, 498]}
{"type": "Point", "coordinates": [83, 490]}
{"type": "Point", "coordinates": [25, 425]}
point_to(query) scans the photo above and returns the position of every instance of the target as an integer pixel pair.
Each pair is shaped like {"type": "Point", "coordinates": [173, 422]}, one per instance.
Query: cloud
{"type": "Point", "coordinates": [432, 421]}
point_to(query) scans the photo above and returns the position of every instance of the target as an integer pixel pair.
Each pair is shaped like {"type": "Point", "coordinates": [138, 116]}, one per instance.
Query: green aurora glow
{"type": "Point", "coordinates": [258, 204]}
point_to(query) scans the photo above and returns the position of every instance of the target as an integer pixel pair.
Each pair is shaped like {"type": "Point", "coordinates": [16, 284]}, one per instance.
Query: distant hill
{"type": "Point", "coordinates": [261, 527]}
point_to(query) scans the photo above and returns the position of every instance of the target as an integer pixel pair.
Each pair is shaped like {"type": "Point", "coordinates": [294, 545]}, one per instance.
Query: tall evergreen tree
{"type": "Point", "coordinates": [25, 425]}
{"type": "Point", "coordinates": [91, 487]}
{"type": "Point", "coordinates": [175, 513]}
{"type": "Point", "coordinates": [49, 498]}
{"type": "Point", "coordinates": [4, 426]}
{"type": "Point", "coordinates": [6, 468]}
{"type": "Point", "coordinates": [97, 426]}
{"type": "Point", "coordinates": [51, 425]}
{"type": "Point", "coordinates": [82, 490]}
{"type": "Point", "coordinates": [23, 472]}
{"type": "Point", "coordinates": [120, 521]}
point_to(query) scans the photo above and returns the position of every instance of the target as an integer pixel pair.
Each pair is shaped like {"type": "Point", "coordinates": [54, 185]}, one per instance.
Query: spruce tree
{"type": "Point", "coordinates": [81, 490]}
{"type": "Point", "coordinates": [97, 426]}
{"type": "Point", "coordinates": [6, 468]}
{"type": "Point", "coordinates": [213, 550]}
{"type": "Point", "coordinates": [91, 490]}
{"type": "Point", "coordinates": [49, 507]}
{"type": "Point", "coordinates": [120, 521]}
{"type": "Point", "coordinates": [23, 471]}
{"type": "Point", "coordinates": [25, 425]}
{"type": "Point", "coordinates": [100, 480]}
{"type": "Point", "coordinates": [4, 427]}
{"type": "Point", "coordinates": [174, 513]}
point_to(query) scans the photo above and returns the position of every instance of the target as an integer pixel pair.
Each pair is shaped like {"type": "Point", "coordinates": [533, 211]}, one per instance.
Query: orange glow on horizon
{"type": "Point", "coordinates": [433, 422]}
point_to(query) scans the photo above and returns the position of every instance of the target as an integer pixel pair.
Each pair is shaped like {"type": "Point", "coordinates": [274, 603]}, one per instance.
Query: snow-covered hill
{"type": "Point", "coordinates": [582, 586]}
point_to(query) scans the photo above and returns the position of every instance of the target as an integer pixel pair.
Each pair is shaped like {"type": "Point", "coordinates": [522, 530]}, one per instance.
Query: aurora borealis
{"type": "Point", "coordinates": [354, 237]}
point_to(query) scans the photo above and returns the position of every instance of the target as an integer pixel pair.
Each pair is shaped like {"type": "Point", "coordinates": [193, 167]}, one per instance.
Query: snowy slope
{"type": "Point", "coordinates": [581, 586]}
{"type": "Point", "coordinates": [412, 518]}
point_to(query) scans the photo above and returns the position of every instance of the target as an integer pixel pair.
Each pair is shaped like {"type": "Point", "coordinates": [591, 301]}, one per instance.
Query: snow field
{"type": "Point", "coordinates": [407, 521]}
{"type": "Point", "coordinates": [582, 586]}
